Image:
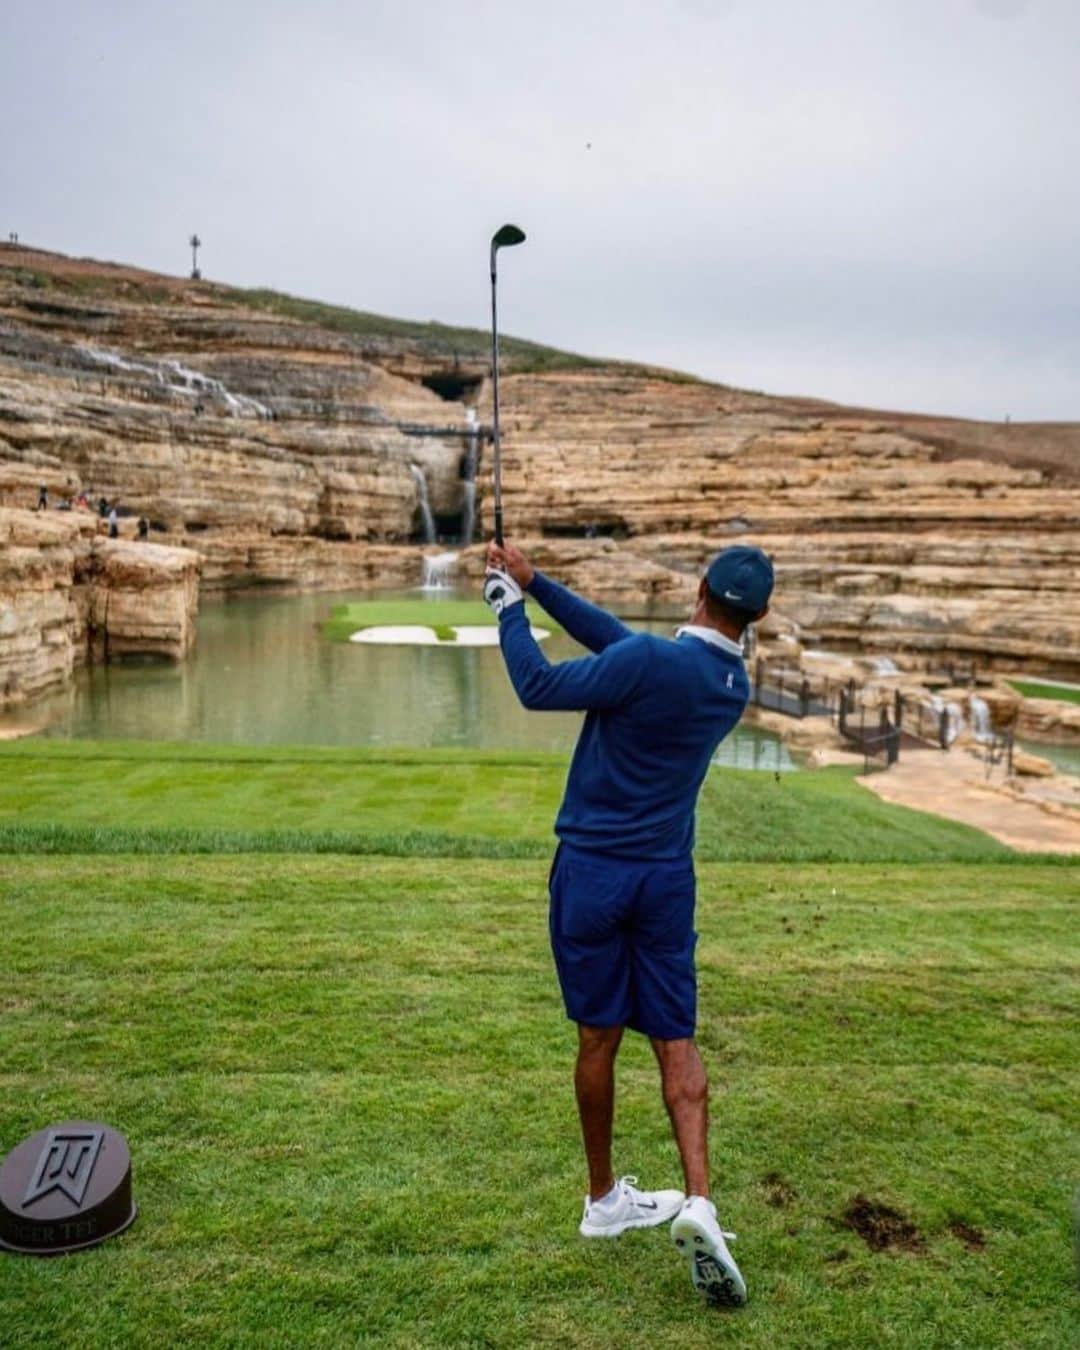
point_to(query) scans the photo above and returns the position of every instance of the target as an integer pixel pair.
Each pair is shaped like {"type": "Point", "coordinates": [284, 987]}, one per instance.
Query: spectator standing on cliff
{"type": "Point", "coordinates": [622, 883]}
{"type": "Point", "coordinates": [43, 498]}
{"type": "Point", "coordinates": [114, 527]}
{"type": "Point", "coordinates": [102, 507]}
{"type": "Point", "coordinates": [144, 527]}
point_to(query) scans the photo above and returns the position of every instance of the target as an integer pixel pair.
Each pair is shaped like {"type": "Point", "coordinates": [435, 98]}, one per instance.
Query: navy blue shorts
{"type": "Point", "coordinates": [623, 937]}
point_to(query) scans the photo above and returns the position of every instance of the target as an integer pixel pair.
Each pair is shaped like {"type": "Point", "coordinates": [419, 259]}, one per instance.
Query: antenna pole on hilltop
{"type": "Point", "coordinates": [196, 244]}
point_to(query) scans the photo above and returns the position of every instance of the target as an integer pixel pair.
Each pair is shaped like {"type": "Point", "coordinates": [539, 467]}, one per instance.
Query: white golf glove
{"type": "Point", "coordinates": [501, 590]}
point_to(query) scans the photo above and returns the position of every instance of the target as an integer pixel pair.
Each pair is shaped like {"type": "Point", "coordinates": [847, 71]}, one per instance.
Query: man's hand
{"type": "Point", "coordinates": [512, 561]}
{"type": "Point", "coordinates": [500, 591]}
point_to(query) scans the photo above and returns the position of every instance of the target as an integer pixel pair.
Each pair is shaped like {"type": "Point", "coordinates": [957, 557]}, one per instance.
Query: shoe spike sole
{"type": "Point", "coordinates": [710, 1279]}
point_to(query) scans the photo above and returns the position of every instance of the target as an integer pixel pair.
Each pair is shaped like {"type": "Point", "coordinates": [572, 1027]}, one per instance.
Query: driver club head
{"type": "Point", "coordinates": [506, 237]}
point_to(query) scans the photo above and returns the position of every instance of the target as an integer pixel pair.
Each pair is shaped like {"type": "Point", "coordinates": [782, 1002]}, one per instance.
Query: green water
{"type": "Point", "coordinates": [1066, 757]}
{"type": "Point", "coordinates": [263, 673]}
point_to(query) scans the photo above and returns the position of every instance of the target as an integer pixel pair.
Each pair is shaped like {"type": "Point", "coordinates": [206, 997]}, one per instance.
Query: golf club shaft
{"type": "Point", "coordinates": [495, 398]}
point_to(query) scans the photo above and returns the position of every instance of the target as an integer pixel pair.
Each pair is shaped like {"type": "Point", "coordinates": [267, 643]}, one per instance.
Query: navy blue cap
{"type": "Point", "coordinates": [741, 576]}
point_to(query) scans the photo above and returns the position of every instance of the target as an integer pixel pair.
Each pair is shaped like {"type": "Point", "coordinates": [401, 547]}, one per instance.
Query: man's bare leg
{"type": "Point", "coordinates": [686, 1096]}
{"type": "Point", "coordinates": [594, 1083]}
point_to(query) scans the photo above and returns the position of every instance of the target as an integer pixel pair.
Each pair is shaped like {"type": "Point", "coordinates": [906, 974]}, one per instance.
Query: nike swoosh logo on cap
{"type": "Point", "coordinates": [730, 595]}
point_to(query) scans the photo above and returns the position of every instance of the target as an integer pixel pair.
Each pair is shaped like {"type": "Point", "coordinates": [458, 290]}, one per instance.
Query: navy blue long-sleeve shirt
{"type": "Point", "coordinates": [655, 711]}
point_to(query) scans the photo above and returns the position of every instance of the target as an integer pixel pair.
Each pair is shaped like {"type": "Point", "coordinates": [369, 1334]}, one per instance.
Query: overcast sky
{"type": "Point", "coordinates": [874, 201]}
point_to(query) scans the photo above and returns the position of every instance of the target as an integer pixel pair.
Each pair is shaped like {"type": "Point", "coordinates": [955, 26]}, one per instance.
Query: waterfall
{"type": "Point", "coordinates": [884, 665]}
{"type": "Point", "coordinates": [424, 503]}
{"type": "Point", "coordinates": [180, 379]}
{"type": "Point", "coordinates": [472, 453]}
{"type": "Point", "coordinates": [468, 514]}
{"type": "Point", "coordinates": [437, 569]}
{"type": "Point", "coordinates": [954, 717]}
{"type": "Point", "coordinates": [980, 718]}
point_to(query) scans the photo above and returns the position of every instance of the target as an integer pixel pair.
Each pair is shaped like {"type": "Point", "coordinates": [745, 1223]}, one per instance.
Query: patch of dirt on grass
{"type": "Point", "coordinates": [881, 1227]}
{"type": "Point", "coordinates": [778, 1192]}
{"type": "Point", "coordinates": [974, 1239]}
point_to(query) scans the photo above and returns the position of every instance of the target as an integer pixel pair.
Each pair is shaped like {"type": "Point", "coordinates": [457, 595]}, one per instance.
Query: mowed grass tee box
{"type": "Point", "coordinates": [346, 1087]}
{"type": "Point", "coordinates": [108, 796]}
{"type": "Point", "coordinates": [345, 1080]}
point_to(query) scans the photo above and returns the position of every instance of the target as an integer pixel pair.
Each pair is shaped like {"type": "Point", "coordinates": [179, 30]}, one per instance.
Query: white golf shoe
{"type": "Point", "coordinates": [627, 1207]}
{"type": "Point", "coordinates": [704, 1244]}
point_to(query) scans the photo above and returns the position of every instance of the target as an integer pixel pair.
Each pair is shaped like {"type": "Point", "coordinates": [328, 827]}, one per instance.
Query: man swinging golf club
{"type": "Point", "coordinates": [622, 882]}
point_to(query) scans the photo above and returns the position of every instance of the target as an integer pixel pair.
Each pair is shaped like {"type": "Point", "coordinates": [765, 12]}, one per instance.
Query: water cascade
{"type": "Point", "coordinates": [884, 665]}
{"type": "Point", "coordinates": [424, 503]}
{"type": "Point", "coordinates": [472, 454]}
{"type": "Point", "coordinates": [980, 718]}
{"type": "Point", "coordinates": [437, 569]}
{"type": "Point", "coordinates": [180, 379]}
{"type": "Point", "coordinates": [954, 717]}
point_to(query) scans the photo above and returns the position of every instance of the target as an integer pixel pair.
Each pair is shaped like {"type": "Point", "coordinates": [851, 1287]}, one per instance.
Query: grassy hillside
{"type": "Point", "coordinates": [86, 281]}
{"type": "Point", "coordinates": [469, 345]}
{"type": "Point", "coordinates": [1050, 446]}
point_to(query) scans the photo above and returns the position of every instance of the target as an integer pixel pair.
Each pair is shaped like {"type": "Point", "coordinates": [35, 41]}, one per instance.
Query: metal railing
{"type": "Point", "coordinates": [880, 739]}
{"type": "Point", "coordinates": [792, 693]}
{"type": "Point", "coordinates": [879, 732]}
{"type": "Point", "coordinates": [998, 750]}
{"type": "Point", "coordinates": [923, 721]}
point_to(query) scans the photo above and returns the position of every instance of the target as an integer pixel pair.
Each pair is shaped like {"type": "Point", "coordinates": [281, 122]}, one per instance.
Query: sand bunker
{"type": "Point", "coordinates": [419, 635]}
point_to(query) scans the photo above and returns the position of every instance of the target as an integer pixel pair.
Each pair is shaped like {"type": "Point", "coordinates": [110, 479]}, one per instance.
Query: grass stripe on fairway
{"type": "Point", "coordinates": [103, 797]}
{"type": "Point", "coordinates": [346, 1086]}
{"type": "Point", "coordinates": [98, 839]}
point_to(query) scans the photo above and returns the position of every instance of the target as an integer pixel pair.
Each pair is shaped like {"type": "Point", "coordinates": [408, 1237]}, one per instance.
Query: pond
{"type": "Point", "coordinates": [1066, 758]}
{"type": "Point", "coordinates": [263, 673]}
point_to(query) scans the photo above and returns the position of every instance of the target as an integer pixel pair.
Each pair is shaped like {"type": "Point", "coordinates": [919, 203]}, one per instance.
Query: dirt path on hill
{"type": "Point", "coordinates": [955, 786]}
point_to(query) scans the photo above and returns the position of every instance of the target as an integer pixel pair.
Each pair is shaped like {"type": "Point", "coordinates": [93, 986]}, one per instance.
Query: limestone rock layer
{"type": "Point", "coordinates": [68, 593]}
{"type": "Point", "coordinates": [289, 444]}
{"type": "Point", "coordinates": [886, 535]}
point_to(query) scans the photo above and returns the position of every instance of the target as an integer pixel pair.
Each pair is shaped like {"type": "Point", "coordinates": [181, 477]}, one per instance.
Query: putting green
{"type": "Point", "coordinates": [441, 616]}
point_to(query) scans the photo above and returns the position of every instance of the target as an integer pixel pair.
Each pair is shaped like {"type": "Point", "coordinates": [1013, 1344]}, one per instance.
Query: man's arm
{"type": "Point", "coordinates": [588, 624]}
{"type": "Point", "coordinates": [592, 682]}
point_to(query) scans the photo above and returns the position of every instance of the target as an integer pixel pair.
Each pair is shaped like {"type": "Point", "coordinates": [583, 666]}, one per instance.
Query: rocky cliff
{"type": "Point", "coordinates": [886, 535]}
{"type": "Point", "coordinates": [289, 443]}
{"type": "Point", "coordinates": [68, 593]}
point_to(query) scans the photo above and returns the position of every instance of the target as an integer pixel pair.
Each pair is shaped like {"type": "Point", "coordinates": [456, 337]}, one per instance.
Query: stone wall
{"type": "Point", "coordinates": [601, 569]}
{"type": "Point", "coordinates": [1050, 720]}
{"type": "Point", "coordinates": [41, 623]}
{"type": "Point", "coordinates": [69, 594]}
{"type": "Point", "coordinates": [232, 562]}
{"type": "Point", "coordinates": [141, 599]}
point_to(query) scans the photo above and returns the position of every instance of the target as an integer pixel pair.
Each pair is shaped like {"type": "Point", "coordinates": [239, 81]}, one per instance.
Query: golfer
{"type": "Point", "coordinates": [622, 882]}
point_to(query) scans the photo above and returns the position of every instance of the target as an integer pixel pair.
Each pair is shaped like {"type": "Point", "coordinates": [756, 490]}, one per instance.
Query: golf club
{"type": "Point", "coordinates": [503, 238]}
